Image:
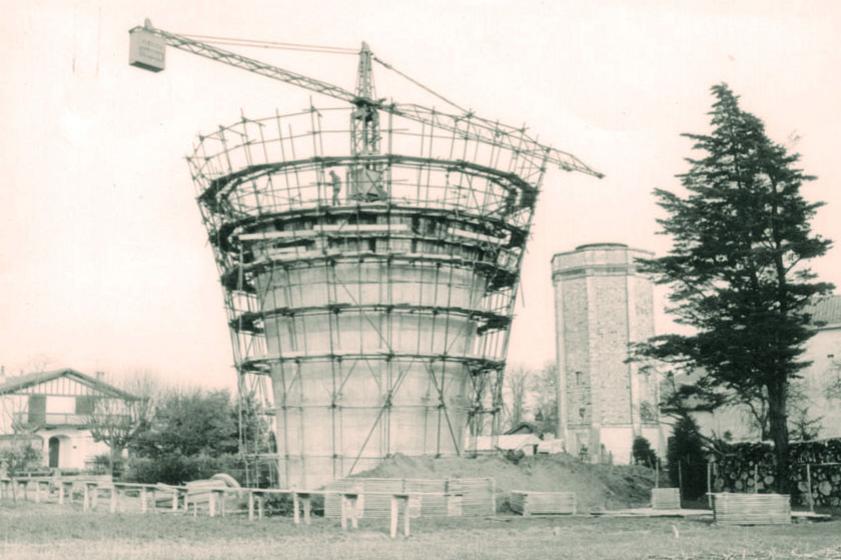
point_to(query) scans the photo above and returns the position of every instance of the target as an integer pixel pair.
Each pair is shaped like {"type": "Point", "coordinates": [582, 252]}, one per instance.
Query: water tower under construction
{"type": "Point", "coordinates": [370, 255]}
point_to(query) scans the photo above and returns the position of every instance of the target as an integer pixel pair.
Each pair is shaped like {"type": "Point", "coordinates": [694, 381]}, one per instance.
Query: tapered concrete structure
{"type": "Point", "coordinates": [375, 291]}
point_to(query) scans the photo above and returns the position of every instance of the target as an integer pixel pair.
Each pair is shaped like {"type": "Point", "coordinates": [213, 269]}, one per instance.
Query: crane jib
{"type": "Point", "coordinates": [147, 50]}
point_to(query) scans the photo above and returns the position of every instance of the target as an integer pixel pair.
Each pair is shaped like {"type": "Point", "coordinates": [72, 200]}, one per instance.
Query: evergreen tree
{"type": "Point", "coordinates": [685, 456]}
{"type": "Point", "coordinates": [738, 269]}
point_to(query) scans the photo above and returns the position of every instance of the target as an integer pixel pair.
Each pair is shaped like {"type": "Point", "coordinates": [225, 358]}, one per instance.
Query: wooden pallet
{"type": "Point", "coordinates": [543, 503]}
{"type": "Point", "coordinates": [751, 509]}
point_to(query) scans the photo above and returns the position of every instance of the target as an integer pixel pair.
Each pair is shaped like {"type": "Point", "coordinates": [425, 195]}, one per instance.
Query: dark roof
{"type": "Point", "coordinates": [20, 382]}
{"type": "Point", "coordinates": [523, 428]}
{"type": "Point", "coordinates": [826, 311]}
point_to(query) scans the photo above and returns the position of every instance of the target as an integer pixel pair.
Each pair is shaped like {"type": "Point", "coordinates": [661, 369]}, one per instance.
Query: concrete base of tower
{"type": "Point", "coordinates": [612, 444]}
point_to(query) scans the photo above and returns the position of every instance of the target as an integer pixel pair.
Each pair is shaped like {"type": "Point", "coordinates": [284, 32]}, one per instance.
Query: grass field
{"type": "Point", "coordinates": [54, 532]}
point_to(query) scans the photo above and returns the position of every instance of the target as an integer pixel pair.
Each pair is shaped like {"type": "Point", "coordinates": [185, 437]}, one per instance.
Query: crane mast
{"type": "Point", "coordinates": [366, 179]}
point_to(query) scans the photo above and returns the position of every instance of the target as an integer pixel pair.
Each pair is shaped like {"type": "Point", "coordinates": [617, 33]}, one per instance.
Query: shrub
{"type": "Point", "coordinates": [643, 453]}
{"type": "Point", "coordinates": [20, 458]}
{"type": "Point", "coordinates": [175, 468]}
{"type": "Point", "coordinates": [101, 464]}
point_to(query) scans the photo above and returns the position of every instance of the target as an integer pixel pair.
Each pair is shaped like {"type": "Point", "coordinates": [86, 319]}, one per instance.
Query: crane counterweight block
{"type": "Point", "coordinates": [146, 50]}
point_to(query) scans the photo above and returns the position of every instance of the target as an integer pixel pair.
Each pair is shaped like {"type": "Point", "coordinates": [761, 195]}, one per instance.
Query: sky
{"type": "Point", "coordinates": [104, 264]}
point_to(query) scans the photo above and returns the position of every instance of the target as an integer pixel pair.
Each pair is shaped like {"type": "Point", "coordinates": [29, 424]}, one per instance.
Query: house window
{"type": "Point", "coordinates": [84, 404]}
{"type": "Point", "coordinates": [37, 409]}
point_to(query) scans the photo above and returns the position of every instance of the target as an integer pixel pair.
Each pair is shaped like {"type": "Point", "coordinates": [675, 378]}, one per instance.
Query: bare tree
{"type": "Point", "coordinates": [832, 390]}
{"type": "Point", "coordinates": [545, 385]}
{"type": "Point", "coordinates": [515, 391]}
{"type": "Point", "coordinates": [117, 421]}
{"type": "Point", "coordinates": [39, 363]}
{"type": "Point", "coordinates": [22, 451]}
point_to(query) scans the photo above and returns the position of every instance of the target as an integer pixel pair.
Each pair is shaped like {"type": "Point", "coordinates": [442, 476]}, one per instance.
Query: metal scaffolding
{"type": "Point", "coordinates": [370, 257]}
{"type": "Point", "coordinates": [375, 290]}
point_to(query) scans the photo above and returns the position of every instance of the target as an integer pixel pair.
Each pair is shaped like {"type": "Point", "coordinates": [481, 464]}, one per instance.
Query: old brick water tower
{"type": "Point", "coordinates": [603, 303]}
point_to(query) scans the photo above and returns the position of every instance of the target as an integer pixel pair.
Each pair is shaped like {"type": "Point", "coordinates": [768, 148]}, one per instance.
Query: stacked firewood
{"type": "Point", "coordinates": [751, 467]}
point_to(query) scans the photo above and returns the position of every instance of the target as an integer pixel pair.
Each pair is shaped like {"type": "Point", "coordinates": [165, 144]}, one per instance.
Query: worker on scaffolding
{"type": "Point", "coordinates": [337, 187]}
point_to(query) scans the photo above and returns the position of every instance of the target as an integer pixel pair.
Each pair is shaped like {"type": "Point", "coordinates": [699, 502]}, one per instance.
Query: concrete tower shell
{"type": "Point", "coordinates": [602, 304]}
{"type": "Point", "coordinates": [374, 291]}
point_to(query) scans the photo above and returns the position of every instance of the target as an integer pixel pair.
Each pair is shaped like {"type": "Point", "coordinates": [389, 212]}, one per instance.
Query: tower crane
{"type": "Point", "coordinates": [465, 234]}
{"type": "Point", "coordinates": [147, 51]}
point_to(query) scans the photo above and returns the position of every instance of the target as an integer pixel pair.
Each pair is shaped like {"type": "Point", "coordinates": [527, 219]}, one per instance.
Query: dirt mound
{"type": "Point", "coordinates": [597, 487]}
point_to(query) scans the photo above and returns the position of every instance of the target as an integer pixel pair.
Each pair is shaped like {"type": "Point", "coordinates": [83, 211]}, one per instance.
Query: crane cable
{"type": "Point", "coordinates": [420, 85]}
{"type": "Point", "coordinates": [232, 41]}
{"type": "Point", "coordinates": [325, 49]}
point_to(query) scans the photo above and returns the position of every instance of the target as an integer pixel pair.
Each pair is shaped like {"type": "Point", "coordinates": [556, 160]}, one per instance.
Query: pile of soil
{"type": "Point", "coordinates": [597, 487]}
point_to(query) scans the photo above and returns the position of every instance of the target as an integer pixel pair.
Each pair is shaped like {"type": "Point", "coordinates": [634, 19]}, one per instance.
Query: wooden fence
{"type": "Point", "coordinates": [119, 497]}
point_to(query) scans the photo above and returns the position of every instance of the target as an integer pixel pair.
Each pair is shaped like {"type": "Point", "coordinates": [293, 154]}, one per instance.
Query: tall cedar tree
{"type": "Point", "coordinates": [738, 270]}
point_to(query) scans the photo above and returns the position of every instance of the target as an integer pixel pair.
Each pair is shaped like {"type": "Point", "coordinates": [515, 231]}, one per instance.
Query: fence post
{"type": "Point", "coordinates": [261, 507]}
{"type": "Point", "coordinates": [305, 500]}
{"type": "Point", "coordinates": [296, 516]}
{"type": "Point", "coordinates": [94, 495]}
{"type": "Point", "coordinates": [493, 496]}
{"type": "Point", "coordinates": [143, 505]}
{"type": "Point", "coordinates": [175, 494]}
{"type": "Point", "coordinates": [755, 476]}
{"type": "Point", "coordinates": [395, 509]}
{"type": "Point", "coordinates": [114, 495]}
{"type": "Point", "coordinates": [809, 484]}
{"type": "Point", "coordinates": [406, 516]}
{"type": "Point", "coordinates": [37, 492]}
{"type": "Point", "coordinates": [250, 505]}
{"type": "Point", "coordinates": [349, 511]}
{"type": "Point", "coordinates": [657, 473]}
{"type": "Point", "coordinates": [709, 484]}
{"type": "Point", "coordinates": [62, 486]}
{"type": "Point", "coordinates": [86, 497]}
{"type": "Point", "coordinates": [680, 477]}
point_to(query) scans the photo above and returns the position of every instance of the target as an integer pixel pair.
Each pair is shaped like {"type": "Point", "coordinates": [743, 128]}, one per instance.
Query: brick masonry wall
{"type": "Point", "coordinates": [602, 304]}
{"type": "Point", "coordinates": [608, 330]}
{"type": "Point", "coordinates": [576, 343]}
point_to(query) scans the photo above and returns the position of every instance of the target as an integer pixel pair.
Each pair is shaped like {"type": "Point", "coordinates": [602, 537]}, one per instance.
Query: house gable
{"type": "Point", "coordinates": [66, 382]}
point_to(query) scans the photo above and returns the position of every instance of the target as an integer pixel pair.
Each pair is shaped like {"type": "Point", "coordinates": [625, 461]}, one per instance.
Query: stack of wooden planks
{"type": "Point", "coordinates": [751, 509]}
{"type": "Point", "coordinates": [542, 503]}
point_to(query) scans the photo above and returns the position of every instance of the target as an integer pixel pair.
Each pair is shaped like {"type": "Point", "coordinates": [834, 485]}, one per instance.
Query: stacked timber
{"type": "Point", "coordinates": [815, 471]}
{"type": "Point", "coordinates": [542, 503]}
{"type": "Point", "coordinates": [751, 509]}
{"type": "Point", "coordinates": [665, 498]}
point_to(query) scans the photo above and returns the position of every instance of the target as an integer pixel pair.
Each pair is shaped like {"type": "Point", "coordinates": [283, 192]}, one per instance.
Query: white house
{"type": "Point", "coordinates": [53, 409]}
{"type": "Point", "coordinates": [819, 384]}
